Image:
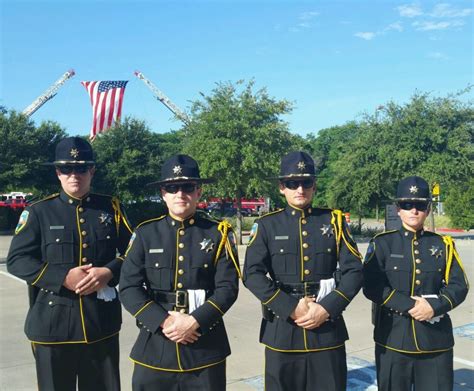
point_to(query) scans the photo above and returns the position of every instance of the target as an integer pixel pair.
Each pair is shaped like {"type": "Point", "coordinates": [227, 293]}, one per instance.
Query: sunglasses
{"type": "Point", "coordinates": [293, 185]}
{"type": "Point", "coordinates": [409, 205]}
{"type": "Point", "coordinates": [67, 170]}
{"type": "Point", "coordinates": [184, 187]}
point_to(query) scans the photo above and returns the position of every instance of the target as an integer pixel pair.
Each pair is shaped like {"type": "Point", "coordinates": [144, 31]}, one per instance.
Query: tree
{"type": "Point", "coordinates": [237, 137]}
{"type": "Point", "coordinates": [128, 157]}
{"type": "Point", "coordinates": [23, 150]}
{"type": "Point", "coordinates": [460, 204]}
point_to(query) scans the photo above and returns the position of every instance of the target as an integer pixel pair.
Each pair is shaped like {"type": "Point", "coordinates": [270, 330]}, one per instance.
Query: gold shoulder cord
{"type": "Point", "coordinates": [223, 228]}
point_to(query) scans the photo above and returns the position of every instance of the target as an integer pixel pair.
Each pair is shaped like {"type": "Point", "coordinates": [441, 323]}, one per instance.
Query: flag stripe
{"type": "Point", "coordinates": [106, 100]}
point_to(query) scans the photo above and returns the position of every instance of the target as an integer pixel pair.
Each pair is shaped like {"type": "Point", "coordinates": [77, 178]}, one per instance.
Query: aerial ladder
{"type": "Point", "coordinates": [48, 94]}
{"type": "Point", "coordinates": [181, 115]}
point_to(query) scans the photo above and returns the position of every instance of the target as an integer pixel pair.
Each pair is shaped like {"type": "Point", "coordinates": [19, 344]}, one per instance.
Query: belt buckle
{"type": "Point", "coordinates": [181, 299]}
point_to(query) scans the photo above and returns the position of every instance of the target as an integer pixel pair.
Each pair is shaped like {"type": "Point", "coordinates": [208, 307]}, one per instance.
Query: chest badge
{"type": "Point", "coordinates": [436, 252]}
{"type": "Point", "coordinates": [207, 245]}
{"type": "Point", "coordinates": [327, 230]}
{"type": "Point", "coordinates": [105, 218]}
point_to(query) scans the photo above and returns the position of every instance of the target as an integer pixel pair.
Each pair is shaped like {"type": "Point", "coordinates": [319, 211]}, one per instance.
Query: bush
{"type": "Point", "coordinates": [460, 205]}
{"type": "Point", "coordinates": [144, 210]}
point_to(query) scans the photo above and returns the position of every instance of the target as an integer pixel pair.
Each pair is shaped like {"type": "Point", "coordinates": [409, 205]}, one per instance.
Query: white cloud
{"type": "Point", "coordinates": [437, 56]}
{"type": "Point", "coordinates": [394, 26]}
{"type": "Point", "coordinates": [445, 10]}
{"type": "Point", "coordinates": [429, 26]}
{"type": "Point", "coordinates": [410, 10]}
{"type": "Point", "coordinates": [365, 35]}
{"type": "Point", "coordinates": [308, 15]}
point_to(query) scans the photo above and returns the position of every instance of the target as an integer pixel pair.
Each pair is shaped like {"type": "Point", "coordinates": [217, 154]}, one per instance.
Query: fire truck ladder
{"type": "Point", "coordinates": [49, 93]}
{"type": "Point", "coordinates": [181, 115]}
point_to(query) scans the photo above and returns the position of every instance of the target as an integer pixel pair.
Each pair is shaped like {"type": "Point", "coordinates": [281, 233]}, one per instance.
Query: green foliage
{"type": "Point", "coordinates": [361, 163]}
{"type": "Point", "coordinates": [128, 157]}
{"type": "Point", "coordinates": [137, 212]}
{"type": "Point", "coordinates": [460, 204]}
{"type": "Point", "coordinates": [23, 149]}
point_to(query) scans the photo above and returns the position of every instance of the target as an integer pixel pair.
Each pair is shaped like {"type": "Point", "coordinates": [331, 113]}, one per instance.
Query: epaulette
{"type": "Point", "coordinates": [150, 221]}
{"type": "Point", "coordinates": [384, 233]}
{"type": "Point", "coordinates": [271, 213]}
{"type": "Point", "coordinates": [50, 197]}
{"type": "Point", "coordinates": [103, 195]}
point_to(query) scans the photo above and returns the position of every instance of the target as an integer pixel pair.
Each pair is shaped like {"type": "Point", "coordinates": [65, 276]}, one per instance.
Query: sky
{"type": "Point", "coordinates": [334, 60]}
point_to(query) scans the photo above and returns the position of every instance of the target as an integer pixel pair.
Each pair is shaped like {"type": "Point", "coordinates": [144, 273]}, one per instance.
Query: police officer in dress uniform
{"type": "Point", "coordinates": [179, 278]}
{"type": "Point", "coordinates": [304, 267]}
{"type": "Point", "coordinates": [414, 277]}
{"type": "Point", "coordinates": [68, 247]}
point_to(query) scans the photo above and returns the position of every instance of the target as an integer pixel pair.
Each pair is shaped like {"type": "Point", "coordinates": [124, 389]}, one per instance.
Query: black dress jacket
{"type": "Point", "coordinates": [166, 256]}
{"type": "Point", "coordinates": [297, 246]}
{"type": "Point", "coordinates": [400, 264]}
{"type": "Point", "coordinates": [53, 236]}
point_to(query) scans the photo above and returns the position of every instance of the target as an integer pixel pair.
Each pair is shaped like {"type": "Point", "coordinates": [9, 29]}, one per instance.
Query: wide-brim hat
{"type": "Point", "coordinates": [413, 188]}
{"type": "Point", "coordinates": [180, 168]}
{"type": "Point", "coordinates": [72, 150]}
{"type": "Point", "coordinates": [296, 165]}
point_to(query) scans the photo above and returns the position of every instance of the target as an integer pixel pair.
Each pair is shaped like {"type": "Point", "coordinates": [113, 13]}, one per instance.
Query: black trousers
{"type": "Point", "coordinates": [325, 370]}
{"type": "Point", "coordinates": [425, 372]}
{"type": "Point", "coordinates": [206, 379]}
{"type": "Point", "coordinates": [86, 367]}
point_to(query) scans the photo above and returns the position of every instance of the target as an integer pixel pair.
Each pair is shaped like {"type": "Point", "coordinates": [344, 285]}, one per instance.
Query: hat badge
{"type": "Point", "coordinates": [301, 166]}
{"type": "Point", "coordinates": [74, 153]}
{"type": "Point", "coordinates": [177, 170]}
{"type": "Point", "coordinates": [413, 189]}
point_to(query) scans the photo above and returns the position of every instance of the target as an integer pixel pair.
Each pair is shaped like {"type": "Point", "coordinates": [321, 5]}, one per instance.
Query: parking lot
{"type": "Point", "coordinates": [245, 365]}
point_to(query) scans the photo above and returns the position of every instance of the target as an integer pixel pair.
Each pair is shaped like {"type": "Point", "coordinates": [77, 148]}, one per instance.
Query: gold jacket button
{"type": "Point", "coordinates": [417, 271]}
{"type": "Point", "coordinates": [293, 212]}
{"type": "Point", "coordinates": [181, 258]}
{"type": "Point", "coordinates": [395, 268]}
{"type": "Point", "coordinates": [58, 240]}
{"type": "Point", "coordinates": [191, 221]}
{"type": "Point", "coordinates": [83, 233]}
{"type": "Point", "coordinates": [305, 245]}
{"type": "Point", "coordinates": [418, 260]}
{"type": "Point", "coordinates": [82, 221]}
{"type": "Point", "coordinates": [329, 250]}
{"type": "Point", "coordinates": [206, 266]}
{"type": "Point", "coordinates": [439, 270]}
{"type": "Point", "coordinates": [303, 221]}
{"type": "Point", "coordinates": [417, 282]}
{"type": "Point", "coordinates": [173, 223]}
{"type": "Point", "coordinates": [306, 258]}
{"type": "Point", "coordinates": [84, 260]}
{"type": "Point", "coordinates": [81, 209]}
{"type": "Point", "coordinates": [70, 201]}
{"type": "Point", "coordinates": [282, 250]}
{"type": "Point", "coordinates": [50, 303]}
{"type": "Point", "coordinates": [310, 210]}
{"type": "Point", "coordinates": [181, 232]}
{"type": "Point", "coordinates": [157, 264]}
{"type": "Point", "coordinates": [417, 252]}
{"type": "Point", "coordinates": [179, 285]}
{"type": "Point", "coordinates": [304, 233]}
{"type": "Point", "coordinates": [85, 245]}
{"type": "Point", "coordinates": [180, 272]}
{"type": "Point", "coordinates": [415, 242]}
{"type": "Point", "coordinates": [181, 245]}
{"type": "Point", "coordinates": [307, 272]}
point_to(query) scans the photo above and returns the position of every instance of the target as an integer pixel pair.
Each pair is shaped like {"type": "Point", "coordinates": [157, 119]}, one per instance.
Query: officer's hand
{"type": "Point", "coordinates": [422, 310]}
{"type": "Point", "coordinates": [96, 279]}
{"type": "Point", "coordinates": [315, 317]}
{"type": "Point", "coordinates": [302, 307]}
{"type": "Point", "coordinates": [74, 276]}
{"type": "Point", "coordinates": [182, 328]}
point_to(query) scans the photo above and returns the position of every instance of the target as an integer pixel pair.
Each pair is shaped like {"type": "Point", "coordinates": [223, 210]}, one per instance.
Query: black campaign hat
{"type": "Point", "coordinates": [73, 150]}
{"type": "Point", "coordinates": [180, 168]}
{"type": "Point", "coordinates": [413, 188]}
{"type": "Point", "coordinates": [296, 165]}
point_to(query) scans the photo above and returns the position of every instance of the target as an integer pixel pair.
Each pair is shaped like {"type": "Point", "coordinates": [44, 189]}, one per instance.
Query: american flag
{"type": "Point", "coordinates": [106, 99]}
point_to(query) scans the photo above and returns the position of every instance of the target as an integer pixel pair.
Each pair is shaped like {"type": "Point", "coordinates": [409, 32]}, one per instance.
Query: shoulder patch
{"type": "Point", "coordinates": [370, 252]}
{"type": "Point", "coordinates": [253, 233]}
{"type": "Point", "coordinates": [22, 221]}
{"type": "Point", "coordinates": [130, 243]}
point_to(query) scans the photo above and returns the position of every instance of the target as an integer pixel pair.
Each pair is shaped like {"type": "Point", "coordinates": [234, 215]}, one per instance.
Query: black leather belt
{"type": "Point", "coordinates": [301, 289]}
{"type": "Point", "coordinates": [179, 298]}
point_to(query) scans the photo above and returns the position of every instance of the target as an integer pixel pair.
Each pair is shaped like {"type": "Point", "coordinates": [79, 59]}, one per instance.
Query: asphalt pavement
{"type": "Point", "coordinates": [246, 364]}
